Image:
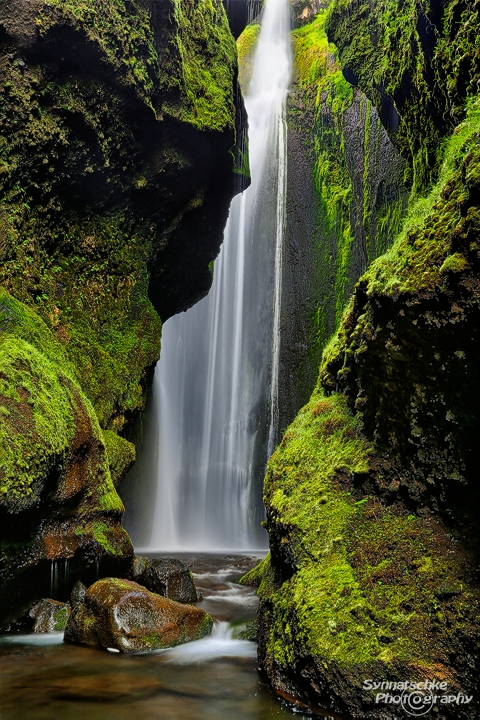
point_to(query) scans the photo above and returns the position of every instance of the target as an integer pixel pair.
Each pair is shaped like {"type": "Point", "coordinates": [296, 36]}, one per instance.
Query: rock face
{"type": "Point", "coordinates": [49, 616]}
{"type": "Point", "coordinates": [346, 199]}
{"type": "Point", "coordinates": [166, 576]}
{"type": "Point", "coordinates": [118, 160]}
{"type": "Point", "coordinates": [125, 616]}
{"type": "Point", "coordinates": [372, 496]}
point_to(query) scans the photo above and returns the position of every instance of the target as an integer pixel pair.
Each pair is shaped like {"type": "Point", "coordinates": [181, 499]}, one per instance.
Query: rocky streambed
{"type": "Point", "coordinates": [215, 677]}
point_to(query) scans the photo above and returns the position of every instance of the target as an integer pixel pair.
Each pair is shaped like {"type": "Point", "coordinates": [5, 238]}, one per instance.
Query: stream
{"type": "Point", "coordinates": [42, 678]}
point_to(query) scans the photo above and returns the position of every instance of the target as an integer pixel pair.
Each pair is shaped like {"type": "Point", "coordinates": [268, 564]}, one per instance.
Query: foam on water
{"type": "Point", "coordinates": [219, 644]}
{"type": "Point", "coordinates": [33, 639]}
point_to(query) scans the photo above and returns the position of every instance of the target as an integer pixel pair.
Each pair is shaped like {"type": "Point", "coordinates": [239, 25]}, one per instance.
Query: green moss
{"type": "Point", "coordinates": [199, 66]}
{"type": "Point", "coordinates": [104, 536]}
{"type": "Point", "coordinates": [350, 229]}
{"type": "Point", "coordinates": [124, 35]}
{"type": "Point", "coordinates": [120, 454]}
{"type": "Point", "coordinates": [254, 576]}
{"type": "Point", "coordinates": [316, 62]}
{"type": "Point", "coordinates": [247, 41]}
{"type": "Point", "coordinates": [417, 257]}
{"type": "Point", "coordinates": [368, 581]}
{"type": "Point", "coordinates": [246, 45]}
{"type": "Point", "coordinates": [205, 626]}
{"type": "Point", "coordinates": [49, 432]}
{"type": "Point", "coordinates": [455, 263]}
{"type": "Point", "coordinates": [38, 421]}
{"type": "Point", "coordinates": [60, 619]}
{"type": "Point", "coordinates": [40, 402]}
{"type": "Point", "coordinates": [426, 66]}
{"type": "Point", "coordinates": [245, 631]}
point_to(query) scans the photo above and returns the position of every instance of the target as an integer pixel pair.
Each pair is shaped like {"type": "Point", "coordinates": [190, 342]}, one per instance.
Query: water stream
{"type": "Point", "coordinates": [215, 401]}
{"type": "Point", "coordinates": [42, 678]}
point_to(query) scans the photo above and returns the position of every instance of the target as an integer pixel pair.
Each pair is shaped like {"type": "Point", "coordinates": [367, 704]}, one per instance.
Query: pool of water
{"type": "Point", "coordinates": [43, 678]}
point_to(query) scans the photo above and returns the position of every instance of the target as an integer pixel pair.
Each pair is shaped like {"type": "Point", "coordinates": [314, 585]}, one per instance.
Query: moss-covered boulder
{"type": "Point", "coordinates": [49, 616]}
{"type": "Point", "coordinates": [118, 160]}
{"type": "Point", "coordinates": [57, 499]}
{"type": "Point", "coordinates": [125, 616]}
{"type": "Point", "coordinates": [355, 589]}
{"type": "Point", "coordinates": [407, 352]}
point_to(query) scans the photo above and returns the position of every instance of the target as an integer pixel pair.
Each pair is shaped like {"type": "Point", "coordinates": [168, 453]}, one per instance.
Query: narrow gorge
{"type": "Point", "coordinates": [239, 358]}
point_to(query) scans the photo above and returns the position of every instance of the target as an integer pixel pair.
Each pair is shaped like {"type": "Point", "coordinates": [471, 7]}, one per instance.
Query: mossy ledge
{"type": "Point", "coordinates": [372, 496]}
{"type": "Point", "coordinates": [118, 148]}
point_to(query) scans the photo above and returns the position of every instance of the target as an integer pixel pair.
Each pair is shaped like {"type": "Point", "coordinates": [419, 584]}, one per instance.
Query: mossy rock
{"type": "Point", "coordinates": [417, 63]}
{"type": "Point", "coordinates": [372, 497]}
{"type": "Point", "coordinates": [120, 454]}
{"type": "Point", "coordinates": [112, 115]}
{"type": "Point", "coordinates": [345, 203]}
{"type": "Point", "coordinates": [125, 616]}
{"type": "Point", "coordinates": [56, 491]}
{"type": "Point", "coordinates": [417, 307]}
{"type": "Point", "coordinates": [356, 589]}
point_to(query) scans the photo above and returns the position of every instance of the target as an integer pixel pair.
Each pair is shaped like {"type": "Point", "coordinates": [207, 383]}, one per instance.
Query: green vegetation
{"type": "Point", "coordinates": [358, 211]}
{"type": "Point", "coordinates": [120, 454]}
{"type": "Point", "coordinates": [246, 45]}
{"type": "Point", "coordinates": [428, 67]}
{"type": "Point", "coordinates": [124, 35]}
{"type": "Point", "coordinates": [39, 399]}
{"type": "Point", "coordinates": [420, 254]}
{"type": "Point", "coordinates": [374, 590]}
{"type": "Point", "coordinates": [438, 238]}
{"type": "Point", "coordinates": [366, 578]}
{"type": "Point", "coordinates": [112, 115]}
{"type": "Point", "coordinates": [60, 619]}
{"type": "Point", "coordinates": [199, 65]}
{"type": "Point", "coordinates": [255, 575]}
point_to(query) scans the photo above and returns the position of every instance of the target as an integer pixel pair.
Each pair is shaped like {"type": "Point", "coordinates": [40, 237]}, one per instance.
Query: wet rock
{"type": "Point", "coordinates": [78, 593]}
{"type": "Point", "coordinates": [246, 631]}
{"type": "Point", "coordinates": [49, 616]}
{"type": "Point", "coordinates": [122, 615]}
{"type": "Point", "coordinates": [166, 576]}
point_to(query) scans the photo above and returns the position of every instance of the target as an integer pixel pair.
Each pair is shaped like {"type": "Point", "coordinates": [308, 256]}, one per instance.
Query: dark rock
{"type": "Point", "coordinates": [166, 576]}
{"type": "Point", "coordinates": [79, 591]}
{"type": "Point", "coordinates": [146, 185]}
{"type": "Point", "coordinates": [124, 616]}
{"type": "Point", "coordinates": [49, 616]}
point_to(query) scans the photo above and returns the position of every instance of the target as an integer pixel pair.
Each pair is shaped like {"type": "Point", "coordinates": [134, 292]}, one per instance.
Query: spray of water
{"type": "Point", "coordinates": [216, 385]}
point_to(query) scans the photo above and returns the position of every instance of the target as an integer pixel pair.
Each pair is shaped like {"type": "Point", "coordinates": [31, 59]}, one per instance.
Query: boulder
{"type": "Point", "coordinates": [166, 576]}
{"type": "Point", "coordinates": [124, 616]}
{"type": "Point", "coordinates": [78, 593]}
{"type": "Point", "coordinates": [49, 616]}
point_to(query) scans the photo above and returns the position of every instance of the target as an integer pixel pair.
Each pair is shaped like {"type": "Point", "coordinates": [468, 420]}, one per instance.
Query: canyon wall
{"type": "Point", "coordinates": [121, 126]}
{"type": "Point", "coordinates": [372, 496]}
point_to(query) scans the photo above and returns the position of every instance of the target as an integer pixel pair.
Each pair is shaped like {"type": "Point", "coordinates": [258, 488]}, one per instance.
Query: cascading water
{"type": "Point", "coordinates": [216, 384]}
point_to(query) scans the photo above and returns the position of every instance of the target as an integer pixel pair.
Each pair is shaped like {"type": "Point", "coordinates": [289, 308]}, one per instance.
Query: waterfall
{"type": "Point", "coordinates": [215, 400]}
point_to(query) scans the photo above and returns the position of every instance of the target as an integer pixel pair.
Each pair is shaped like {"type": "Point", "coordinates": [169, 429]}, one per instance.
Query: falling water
{"type": "Point", "coordinates": [216, 385]}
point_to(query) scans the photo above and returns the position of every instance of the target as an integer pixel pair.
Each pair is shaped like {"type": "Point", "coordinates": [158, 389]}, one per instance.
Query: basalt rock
{"type": "Point", "coordinates": [166, 576]}
{"type": "Point", "coordinates": [49, 616]}
{"type": "Point", "coordinates": [125, 616]}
